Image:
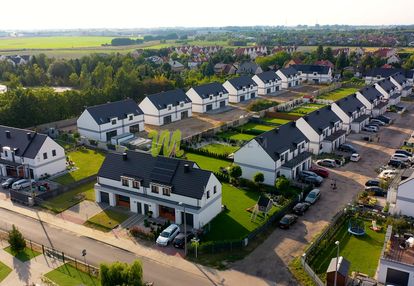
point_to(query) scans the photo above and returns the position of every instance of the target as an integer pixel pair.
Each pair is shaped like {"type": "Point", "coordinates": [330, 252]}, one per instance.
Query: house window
{"type": "Point", "coordinates": [169, 107]}
{"type": "Point", "coordinates": [244, 89]}
{"type": "Point", "coordinates": [181, 104]}
{"type": "Point", "coordinates": [54, 153]}
{"type": "Point", "coordinates": [221, 95]}
{"type": "Point", "coordinates": [131, 117]}
{"type": "Point", "coordinates": [210, 97]}
{"type": "Point", "coordinates": [277, 174]}
{"type": "Point", "coordinates": [125, 182]}
{"type": "Point", "coordinates": [166, 191]}
{"type": "Point", "coordinates": [214, 189]}
{"type": "Point", "coordinates": [45, 156]}
{"type": "Point", "coordinates": [5, 153]}
{"type": "Point", "coordinates": [154, 189]}
{"type": "Point", "coordinates": [208, 195]}
{"type": "Point", "coordinates": [135, 184]}
{"type": "Point", "coordinates": [113, 121]}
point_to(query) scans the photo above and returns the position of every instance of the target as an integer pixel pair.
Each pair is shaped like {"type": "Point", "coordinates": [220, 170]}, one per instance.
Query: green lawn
{"type": "Point", "coordinates": [68, 199]}
{"type": "Point", "coordinates": [235, 136]}
{"type": "Point", "coordinates": [53, 42]}
{"type": "Point", "coordinates": [255, 126]}
{"type": "Point", "coordinates": [107, 219]}
{"type": "Point", "coordinates": [278, 121]}
{"type": "Point", "coordinates": [4, 271]}
{"type": "Point", "coordinates": [208, 163]}
{"type": "Point", "coordinates": [305, 109]}
{"type": "Point", "coordinates": [362, 251]}
{"type": "Point", "coordinates": [86, 161]}
{"type": "Point", "coordinates": [339, 93]}
{"type": "Point", "coordinates": [67, 275]}
{"type": "Point", "coordinates": [24, 255]}
{"type": "Point", "coordinates": [222, 149]}
{"type": "Point", "coordinates": [235, 222]}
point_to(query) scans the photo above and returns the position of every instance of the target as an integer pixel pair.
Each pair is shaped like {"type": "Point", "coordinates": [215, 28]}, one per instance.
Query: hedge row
{"type": "Point", "coordinates": [205, 152]}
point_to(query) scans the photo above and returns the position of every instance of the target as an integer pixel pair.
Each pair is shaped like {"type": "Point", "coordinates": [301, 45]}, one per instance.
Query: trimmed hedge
{"type": "Point", "coordinates": [205, 152]}
{"type": "Point", "coordinates": [222, 177]}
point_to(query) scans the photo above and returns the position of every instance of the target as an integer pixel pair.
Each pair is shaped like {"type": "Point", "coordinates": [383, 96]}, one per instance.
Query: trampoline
{"type": "Point", "coordinates": [356, 227]}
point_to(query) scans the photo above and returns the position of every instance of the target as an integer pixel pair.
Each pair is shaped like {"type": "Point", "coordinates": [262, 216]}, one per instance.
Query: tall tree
{"type": "Point", "coordinates": [319, 53]}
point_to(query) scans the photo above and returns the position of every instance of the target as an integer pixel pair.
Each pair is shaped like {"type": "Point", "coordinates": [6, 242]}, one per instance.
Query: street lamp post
{"type": "Point", "coordinates": [337, 258]}
{"type": "Point", "coordinates": [185, 228]}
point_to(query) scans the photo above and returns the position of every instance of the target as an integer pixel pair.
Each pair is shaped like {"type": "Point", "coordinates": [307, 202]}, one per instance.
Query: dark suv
{"type": "Point", "coordinates": [347, 148]}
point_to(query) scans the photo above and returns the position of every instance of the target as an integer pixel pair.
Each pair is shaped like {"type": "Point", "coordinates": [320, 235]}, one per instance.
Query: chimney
{"type": "Point", "coordinates": [186, 168]}
{"type": "Point", "coordinates": [29, 136]}
{"type": "Point", "coordinates": [8, 135]}
{"type": "Point", "coordinates": [124, 156]}
{"type": "Point", "coordinates": [293, 123]}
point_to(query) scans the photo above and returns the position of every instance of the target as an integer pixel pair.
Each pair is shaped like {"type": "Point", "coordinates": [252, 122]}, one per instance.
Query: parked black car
{"type": "Point", "coordinates": [379, 192]}
{"type": "Point", "coordinates": [287, 221]}
{"type": "Point", "coordinates": [373, 183]}
{"type": "Point", "coordinates": [316, 181]}
{"type": "Point", "coordinates": [397, 164]}
{"type": "Point", "coordinates": [9, 182]}
{"type": "Point", "coordinates": [178, 241]}
{"type": "Point", "coordinates": [384, 119]}
{"type": "Point", "coordinates": [347, 148]}
{"type": "Point", "coordinates": [301, 208]}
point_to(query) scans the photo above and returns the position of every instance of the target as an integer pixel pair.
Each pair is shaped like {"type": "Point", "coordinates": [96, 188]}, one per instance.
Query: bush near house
{"type": "Point", "coordinates": [261, 104]}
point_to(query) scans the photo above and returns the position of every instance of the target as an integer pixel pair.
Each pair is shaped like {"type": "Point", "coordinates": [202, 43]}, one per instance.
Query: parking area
{"type": "Point", "coordinates": [270, 260]}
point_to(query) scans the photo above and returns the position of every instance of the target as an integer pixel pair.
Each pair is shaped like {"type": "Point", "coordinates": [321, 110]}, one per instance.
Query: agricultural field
{"type": "Point", "coordinates": [52, 42]}
{"type": "Point", "coordinates": [339, 93]}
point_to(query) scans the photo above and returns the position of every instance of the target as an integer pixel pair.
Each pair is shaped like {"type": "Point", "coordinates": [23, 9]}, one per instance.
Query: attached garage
{"type": "Point", "coordinates": [209, 107]}
{"type": "Point", "coordinates": [397, 277]}
{"type": "Point", "coordinates": [189, 219]}
{"type": "Point", "coordinates": [123, 201]}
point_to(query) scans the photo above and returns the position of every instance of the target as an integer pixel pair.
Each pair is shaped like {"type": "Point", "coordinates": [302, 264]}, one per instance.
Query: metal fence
{"type": "Point", "coordinates": [310, 272]}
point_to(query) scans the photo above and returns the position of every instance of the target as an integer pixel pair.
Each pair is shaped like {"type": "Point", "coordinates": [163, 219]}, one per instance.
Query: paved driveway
{"type": "Point", "coordinates": [82, 212]}
{"type": "Point", "coordinates": [270, 259]}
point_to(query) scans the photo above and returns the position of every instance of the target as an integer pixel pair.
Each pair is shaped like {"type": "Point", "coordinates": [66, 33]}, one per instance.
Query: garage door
{"type": "Point", "coordinates": [222, 103]}
{"type": "Point", "coordinates": [397, 277]}
{"type": "Point", "coordinates": [209, 107]}
{"type": "Point", "coordinates": [105, 198]}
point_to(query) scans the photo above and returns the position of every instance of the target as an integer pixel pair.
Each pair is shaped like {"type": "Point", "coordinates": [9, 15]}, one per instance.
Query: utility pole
{"type": "Point", "coordinates": [185, 228]}
{"type": "Point", "coordinates": [337, 261]}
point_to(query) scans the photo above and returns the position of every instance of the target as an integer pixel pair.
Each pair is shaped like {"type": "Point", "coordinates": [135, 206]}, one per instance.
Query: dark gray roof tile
{"type": "Point", "coordinates": [163, 99]}
{"type": "Point", "coordinates": [214, 88]}
{"type": "Point", "coordinates": [120, 109]}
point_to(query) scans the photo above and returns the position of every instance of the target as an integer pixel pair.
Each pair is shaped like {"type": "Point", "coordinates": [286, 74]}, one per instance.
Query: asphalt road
{"type": "Point", "coordinates": [97, 252]}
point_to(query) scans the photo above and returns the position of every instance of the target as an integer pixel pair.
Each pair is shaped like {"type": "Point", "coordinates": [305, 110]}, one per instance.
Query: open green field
{"type": "Point", "coordinates": [86, 161]}
{"type": "Point", "coordinates": [4, 271]}
{"type": "Point", "coordinates": [68, 199]}
{"type": "Point", "coordinates": [339, 93]}
{"type": "Point", "coordinates": [107, 219]}
{"type": "Point", "coordinates": [362, 251]}
{"type": "Point", "coordinates": [208, 163]}
{"type": "Point", "coordinates": [52, 42]}
{"type": "Point", "coordinates": [23, 255]}
{"type": "Point", "coordinates": [221, 149]}
{"type": "Point", "coordinates": [305, 109]}
{"type": "Point", "coordinates": [67, 275]}
{"type": "Point", "coordinates": [235, 222]}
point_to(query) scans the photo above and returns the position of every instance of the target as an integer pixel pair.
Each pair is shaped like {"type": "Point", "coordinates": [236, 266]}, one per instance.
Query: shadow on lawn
{"type": "Point", "coordinates": [224, 227]}
{"type": "Point", "coordinates": [71, 271]}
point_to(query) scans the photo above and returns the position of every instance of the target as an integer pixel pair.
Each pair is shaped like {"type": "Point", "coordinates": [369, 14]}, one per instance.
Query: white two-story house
{"type": "Point", "coordinates": [207, 97]}
{"type": "Point", "coordinates": [161, 186]}
{"type": "Point", "coordinates": [389, 91]}
{"type": "Point", "coordinates": [323, 128]}
{"type": "Point", "coordinates": [401, 82]}
{"type": "Point", "coordinates": [166, 107]}
{"type": "Point", "coordinates": [105, 121]}
{"type": "Point", "coordinates": [314, 73]}
{"type": "Point", "coordinates": [289, 77]}
{"type": "Point", "coordinates": [352, 113]}
{"type": "Point", "coordinates": [373, 100]}
{"type": "Point", "coordinates": [281, 151]}
{"type": "Point", "coordinates": [25, 153]}
{"type": "Point", "coordinates": [267, 83]}
{"type": "Point", "coordinates": [241, 88]}
{"type": "Point", "coordinates": [376, 74]}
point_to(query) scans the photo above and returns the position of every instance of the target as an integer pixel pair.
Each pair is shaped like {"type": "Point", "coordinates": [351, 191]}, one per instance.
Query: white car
{"type": "Point", "coordinates": [387, 174]}
{"type": "Point", "coordinates": [401, 157]}
{"type": "Point", "coordinates": [23, 183]}
{"type": "Point", "coordinates": [313, 196]}
{"type": "Point", "coordinates": [370, 129]}
{"type": "Point", "coordinates": [168, 234]}
{"type": "Point", "coordinates": [355, 157]}
{"type": "Point", "coordinates": [377, 121]}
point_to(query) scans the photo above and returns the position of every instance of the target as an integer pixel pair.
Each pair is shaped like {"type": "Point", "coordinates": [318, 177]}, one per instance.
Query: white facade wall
{"type": "Point", "coordinates": [153, 116]}
{"type": "Point", "coordinates": [312, 135]}
{"type": "Point", "coordinates": [90, 129]}
{"type": "Point", "coordinates": [236, 96]}
{"type": "Point", "coordinates": [252, 158]}
{"type": "Point", "coordinates": [405, 198]}
{"type": "Point", "coordinates": [316, 77]}
{"type": "Point", "coordinates": [267, 88]}
{"type": "Point", "coordinates": [345, 118]}
{"type": "Point", "coordinates": [288, 82]}
{"type": "Point", "coordinates": [199, 104]}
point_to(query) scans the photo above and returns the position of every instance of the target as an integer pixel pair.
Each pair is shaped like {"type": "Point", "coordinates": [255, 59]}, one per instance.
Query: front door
{"type": "Point", "coordinates": [242, 98]}
{"type": "Point", "coordinates": [184, 114]}
{"type": "Point", "coordinates": [105, 198]}
{"type": "Point", "coordinates": [134, 128]}
{"type": "Point", "coordinates": [268, 90]}
{"type": "Point", "coordinates": [189, 219]}
{"type": "Point", "coordinates": [111, 134]}
{"type": "Point", "coordinates": [139, 208]}
{"type": "Point", "coordinates": [253, 95]}
{"type": "Point", "coordinates": [209, 107]}
{"type": "Point", "coordinates": [146, 209]}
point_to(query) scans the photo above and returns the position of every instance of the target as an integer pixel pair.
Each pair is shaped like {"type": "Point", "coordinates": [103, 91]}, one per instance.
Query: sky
{"type": "Point", "coordinates": [84, 14]}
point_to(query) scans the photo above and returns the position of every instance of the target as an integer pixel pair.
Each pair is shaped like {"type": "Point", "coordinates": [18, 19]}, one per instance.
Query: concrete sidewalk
{"type": "Point", "coordinates": [228, 277]}
{"type": "Point", "coordinates": [26, 273]}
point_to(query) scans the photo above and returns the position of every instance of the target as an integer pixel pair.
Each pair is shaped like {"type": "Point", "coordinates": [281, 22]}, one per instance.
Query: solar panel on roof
{"type": "Point", "coordinates": [164, 170]}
